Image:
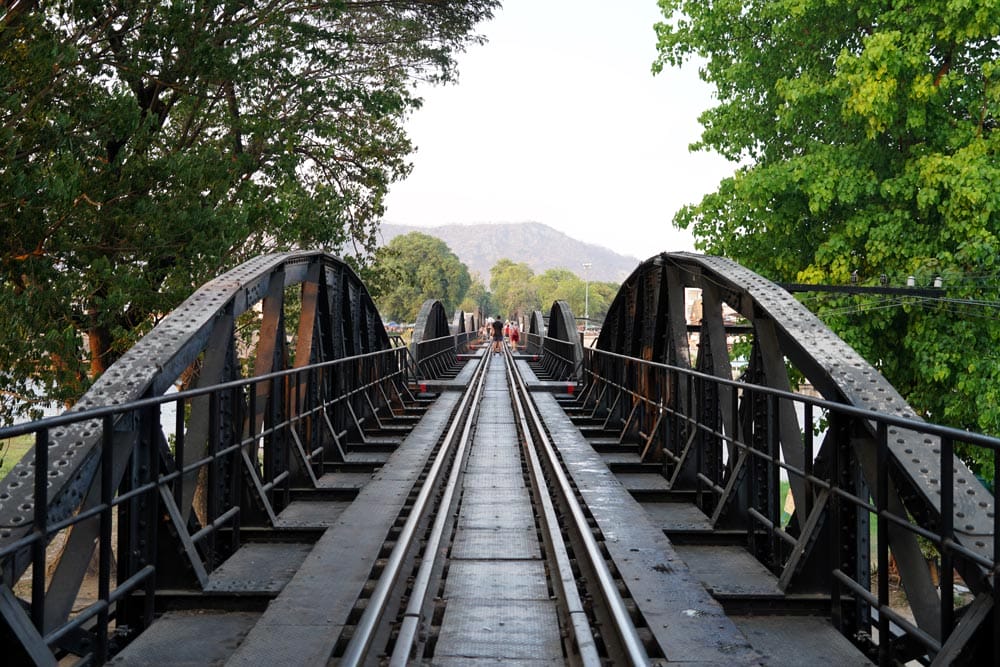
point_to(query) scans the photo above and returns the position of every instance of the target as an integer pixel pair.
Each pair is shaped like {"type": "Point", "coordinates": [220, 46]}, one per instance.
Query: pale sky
{"type": "Point", "coordinates": [559, 120]}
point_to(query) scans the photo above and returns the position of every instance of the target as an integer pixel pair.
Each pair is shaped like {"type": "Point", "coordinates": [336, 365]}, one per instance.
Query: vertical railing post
{"type": "Point", "coordinates": [947, 578]}
{"type": "Point", "coordinates": [179, 455]}
{"type": "Point", "coordinates": [774, 478]}
{"type": "Point", "coordinates": [152, 509]}
{"type": "Point", "coordinates": [104, 538]}
{"type": "Point", "coordinates": [882, 535]}
{"type": "Point", "coordinates": [807, 461]}
{"type": "Point", "coordinates": [41, 500]}
{"type": "Point", "coordinates": [836, 612]}
{"type": "Point", "coordinates": [751, 472]}
{"type": "Point", "coordinates": [211, 493]}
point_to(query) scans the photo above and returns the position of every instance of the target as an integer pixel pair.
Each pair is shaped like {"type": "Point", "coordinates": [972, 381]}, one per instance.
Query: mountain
{"type": "Point", "coordinates": [539, 246]}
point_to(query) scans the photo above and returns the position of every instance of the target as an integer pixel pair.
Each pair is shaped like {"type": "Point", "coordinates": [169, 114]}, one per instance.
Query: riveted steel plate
{"type": "Point", "coordinates": [643, 481]}
{"type": "Point", "coordinates": [187, 638]}
{"type": "Point", "coordinates": [343, 480]}
{"type": "Point", "coordinates": [500, 629]}
{"type": "Point", "coordinates": [620, 457]}
{"type": "Point", "coordinates": [465, 375]}
{"type": "Point", "coordinates": [497, 580]}
{"type": "Point", "coordinates": [262, 567]}
{"type": "Point", "coordinates": [311, 513]}
{"type": "Point", "coordinates": [728, 570]}
{"type": "Point", "coordinates": [527, 374]}
{"type": "Point", "coordinates": [500, 544]}
{"type": "Point", "coordinates": [483, 515]}
{"type": "Point", "coordinates": [677, 516]}
{"type": "Point", "coordinates": [790, 640]}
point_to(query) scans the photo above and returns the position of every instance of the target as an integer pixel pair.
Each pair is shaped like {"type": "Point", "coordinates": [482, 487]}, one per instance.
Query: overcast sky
{"type": "Point", "coordinates": [558, 120]}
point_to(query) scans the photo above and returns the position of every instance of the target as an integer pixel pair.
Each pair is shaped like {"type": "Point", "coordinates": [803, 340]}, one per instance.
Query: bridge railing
{"type": "Point", "coordinates": [436, 356]}
{"type": "Point", "coordinates": [558, 358]}
{"type": "Point", "coordinates": [718, 441]}
{"type": "Point", "coordinates": [533, 343]}
{"type": "Point", "coordinates": [267, 435]}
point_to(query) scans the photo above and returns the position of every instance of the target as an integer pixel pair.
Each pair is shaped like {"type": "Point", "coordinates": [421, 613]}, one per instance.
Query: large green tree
{"type": "Point", "coordinates": [146, 145]}
{"type": "Point", "coordinates": [478, 299]}
{"type": "Point", "coordinates": [866, 138]}
{"type": "Point", "coordinates": [425, 268]}
{"type": "Point", "coordinates": [512, 284]}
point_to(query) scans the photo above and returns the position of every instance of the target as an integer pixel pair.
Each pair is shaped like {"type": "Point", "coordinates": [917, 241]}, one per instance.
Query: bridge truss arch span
{"type": "Point", "coordinates": [561, 340]}
{"type": "Point", "coordinates": [236, 442]}
{"type": "Point", "coordinates": [731, 444]}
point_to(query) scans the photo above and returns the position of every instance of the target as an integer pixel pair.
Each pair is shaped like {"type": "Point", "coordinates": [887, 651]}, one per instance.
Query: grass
{"type": "Point", "coordinates": [12, 450]}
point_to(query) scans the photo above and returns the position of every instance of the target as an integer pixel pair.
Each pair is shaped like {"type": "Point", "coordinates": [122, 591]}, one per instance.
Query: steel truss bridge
{"type": "Point", "coordinates": [321, 494]}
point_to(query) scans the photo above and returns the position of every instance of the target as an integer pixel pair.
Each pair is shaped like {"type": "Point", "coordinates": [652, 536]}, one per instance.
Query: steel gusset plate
{"type": "Point", "coordinates": [151, 367]}
{"type": "Point", "coordinates": [836, 370]}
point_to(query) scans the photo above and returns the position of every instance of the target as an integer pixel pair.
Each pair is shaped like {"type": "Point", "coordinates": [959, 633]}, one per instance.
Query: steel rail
{"type": "Point", "coordinates": [565, 581]}
{"type": "Point", "coordinates": [407, 635]}
{"type": "Point", "coordinates": [608, 588]}
{"type": "Point", "coordinates": [364, 633]}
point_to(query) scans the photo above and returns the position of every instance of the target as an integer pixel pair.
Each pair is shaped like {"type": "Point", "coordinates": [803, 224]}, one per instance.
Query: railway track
{"type": "Point", "coordinates": [509, 566]}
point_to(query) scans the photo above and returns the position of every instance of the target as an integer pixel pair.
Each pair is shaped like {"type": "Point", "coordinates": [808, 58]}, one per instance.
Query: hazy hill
{"type": "Point", "coordinates": [539, 246]}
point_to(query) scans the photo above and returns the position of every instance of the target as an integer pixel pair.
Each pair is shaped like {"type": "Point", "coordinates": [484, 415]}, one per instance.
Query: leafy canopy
{"type": "Point", "coordinates": [146, 146]}
{"type": "Point", "coordinates": [424, 267]}
{"type": "Point", "coordinates": [517, 289]}
{"type": "Point", "coordinates": [866, 134]}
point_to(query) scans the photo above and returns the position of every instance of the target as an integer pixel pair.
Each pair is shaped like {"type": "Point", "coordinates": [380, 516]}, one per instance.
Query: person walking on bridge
{"type": "Point", "coordinates": [497, 335]}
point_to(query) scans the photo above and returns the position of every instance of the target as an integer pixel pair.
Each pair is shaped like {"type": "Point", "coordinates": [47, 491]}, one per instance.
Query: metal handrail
{"type": "Point", "coordinates": [388, 364]}
{"type": "Point", "coordinates": [944, 537]}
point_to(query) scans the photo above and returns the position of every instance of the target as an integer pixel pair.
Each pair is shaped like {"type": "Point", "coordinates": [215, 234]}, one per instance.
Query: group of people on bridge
{"type": "Point", "coordinates": [498, 330]}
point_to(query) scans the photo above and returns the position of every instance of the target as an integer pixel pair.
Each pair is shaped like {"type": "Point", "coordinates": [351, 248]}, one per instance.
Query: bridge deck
{"type": "Point", "coordinates": [495, 604]}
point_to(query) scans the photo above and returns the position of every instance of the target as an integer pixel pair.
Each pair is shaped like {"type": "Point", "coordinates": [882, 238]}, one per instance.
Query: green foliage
{"type": "Point", "coordinates": [866, 134]}
{"type": "Point", "coordinates": [146, 146]}
{"type": "Point", "coordinates": [564, 285]}
{"type": "Point", "coordinates": [479, 300]}
{"type": "Point", "coordinates": [513, 288]}
{"type": "Point", "coordinates": [424, 268]}
{"type": "Point", "coordinates": [516, 289]}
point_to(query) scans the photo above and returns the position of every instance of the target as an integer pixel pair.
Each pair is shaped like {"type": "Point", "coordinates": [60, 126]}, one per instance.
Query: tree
{"type": "Point", "coordinates": [513, 288]}
{"type": "Point", "coordinates": [478, 299]}
{"type": "Point", "coordinates": [601, 296]}
{"type": "Point", "coordinates": [146, 146]}
{"type": "Point", "coordinates": [866, 134]}
{"type": "Point", "coordinates": [560, 284]}
{"type": "Point", "coordinates": [429, 270]}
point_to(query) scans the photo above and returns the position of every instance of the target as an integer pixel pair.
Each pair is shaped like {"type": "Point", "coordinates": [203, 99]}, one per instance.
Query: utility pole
{"type": "Point", "coordinates": [586, 295]}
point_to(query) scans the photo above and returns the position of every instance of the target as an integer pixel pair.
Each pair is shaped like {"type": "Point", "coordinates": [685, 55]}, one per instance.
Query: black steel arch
{"type": "Point", "coordinates": [536, 332]}
{"type": "Point", "coordinates": [337, 319]}
{"type": "Point", "coordinates": [647, 320]}
{"type": "Point", "coordinates": [432, 323]}
{"type": "Point", "coordinates": [562, 340]}
{"type": "Point", "coordinates": [433, 344]}
{"type": "Point", "coordinates": [458, 322]}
